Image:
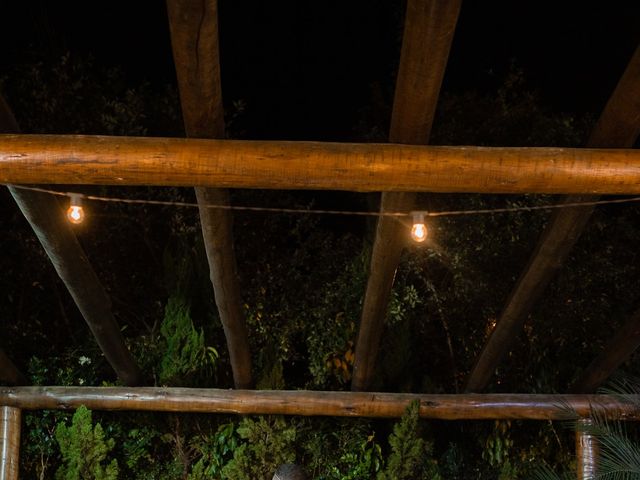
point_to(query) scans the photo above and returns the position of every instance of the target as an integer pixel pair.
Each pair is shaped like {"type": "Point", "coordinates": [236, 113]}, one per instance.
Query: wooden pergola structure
{"type": "Point", "coordinates": [398, 169]}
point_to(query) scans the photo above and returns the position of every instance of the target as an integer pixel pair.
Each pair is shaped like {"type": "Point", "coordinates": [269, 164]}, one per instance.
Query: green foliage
{"type": "Point", "coordinates": [39, 443]}
{"type": "Point", "coordinates": [186, 352]}
{"type": "Point", "coordinates": [214, 451]}
{"type": "Point", "coordinates": [334, 449]}
{"type": "Point", "coordinates": [409, 452]}
{"type": "Point", "coordinates": [73, 94]}
{"type": "Point", "coordinates": [268, 443]}
{"type": "Point", "coordinates": [84, 450]}
{"type": "Point", "coordinates": [498, 445]}
{"type": "Point", "coordinates": [331, 344]}
{"type": "Point", "coordinates": [153, 447]}
{"type": "Point", "coordinates": [363, 462]}
{"type": "Point", "coordinates": [272, 375]}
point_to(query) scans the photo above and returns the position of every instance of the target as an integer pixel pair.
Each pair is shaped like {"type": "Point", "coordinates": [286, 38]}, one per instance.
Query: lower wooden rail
{"type": "Point", "coordinates": [314, 403]}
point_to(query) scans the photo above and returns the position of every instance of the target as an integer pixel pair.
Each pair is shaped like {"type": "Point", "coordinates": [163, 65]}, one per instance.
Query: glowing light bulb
{"type": "Point", "coordinates": [419, 229]}
{"type": "Point", "coordinates": [75, 212]}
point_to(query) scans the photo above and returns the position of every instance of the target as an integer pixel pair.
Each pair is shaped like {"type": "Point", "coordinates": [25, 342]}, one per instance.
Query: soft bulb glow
{"type": "Point", "coordinates": [419, 229]}
{"type": "Point", "coordinates": [75, 212]}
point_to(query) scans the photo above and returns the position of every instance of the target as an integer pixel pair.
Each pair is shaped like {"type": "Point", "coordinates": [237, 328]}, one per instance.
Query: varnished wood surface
{"type": "Point", "coordinates": [428, 32]}
{"type": "Point", "coordinates": [77, 159]}
{"type": "Point", "coordinates": [217, 231]}
{"type": "Point", "coordinates": [314, 403]}
{"type": "Point", "coordinates": [429, 27]}
{"type": "Point", "coordinates": [194, 38]}
{"type": "Point", "coordinates": [10, 423]}
{"type": "Point", "coordinates": [586, 451]}
{"type": "Point", "coordinates": [618, 126]}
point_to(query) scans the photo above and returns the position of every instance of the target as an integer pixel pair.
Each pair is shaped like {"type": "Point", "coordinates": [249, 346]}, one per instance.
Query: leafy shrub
{"type": "Point", "coordinates": [268, 443]}
{"type": "Point", "coordinates": [185, 352]}
{"type": "Point", "coordinates": [84, 450]}
{"type": "Point", "coordinates": [409, 453]}
{"type": "Point", "coordinates": [215, 452]}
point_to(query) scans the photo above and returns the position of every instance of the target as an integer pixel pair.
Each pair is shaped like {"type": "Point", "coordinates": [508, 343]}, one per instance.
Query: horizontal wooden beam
{"type": "Point", "coordinates": [314, 403]}
{"type": "Point", "coordinates": [52, 159]}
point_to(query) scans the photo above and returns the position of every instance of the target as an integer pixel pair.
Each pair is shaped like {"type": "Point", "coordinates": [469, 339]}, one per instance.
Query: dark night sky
{"type": "Point", "coordinates": [306, 68]}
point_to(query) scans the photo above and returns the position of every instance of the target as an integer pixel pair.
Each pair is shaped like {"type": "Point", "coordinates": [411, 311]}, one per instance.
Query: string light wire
{"type": "Point", "coordinates": [246, 208]}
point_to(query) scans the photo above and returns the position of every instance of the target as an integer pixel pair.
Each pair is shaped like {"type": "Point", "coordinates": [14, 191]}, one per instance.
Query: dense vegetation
{"type": "Point", "coordinates": [303, 278]}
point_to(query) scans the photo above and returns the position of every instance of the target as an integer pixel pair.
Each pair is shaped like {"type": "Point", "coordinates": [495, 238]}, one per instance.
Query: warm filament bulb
{"type": "Point", "coordinates": [75, 212]}
{"type": "Point", "coordinates": [419, 229]}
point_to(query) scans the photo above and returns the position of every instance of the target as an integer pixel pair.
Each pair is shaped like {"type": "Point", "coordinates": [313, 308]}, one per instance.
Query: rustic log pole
{"type": "Point", "coordinates": [72, 265]}
{"type": "Point", "coordinates": [618, 349]}
{"type": "Point", "coordinates": [586, 451]}
{"type": "Point", "coordinates": [10, 419]}
{"type": "Point", "coordinates": [370, 167]}
{"type": "Point", "coordinates": [428, 32]}
{"type": "Point", "coordinates": [320, 403]}
{"type": "Point", "coordinates": [618, 126]}
{"type": "Point", "coordinates": [9, 373]}
{"type": "Point", "coordinates": [194, 37]}
{"type": "Point", "coordinates": [61, 245]}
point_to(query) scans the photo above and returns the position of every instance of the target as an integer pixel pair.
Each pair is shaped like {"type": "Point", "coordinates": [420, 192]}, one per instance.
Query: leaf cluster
{"type": "Point", "coordinates": [85, 449]}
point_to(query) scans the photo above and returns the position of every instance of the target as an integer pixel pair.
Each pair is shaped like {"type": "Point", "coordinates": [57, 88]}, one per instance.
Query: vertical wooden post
{"type": "Point", "coordinates": [586, 451]}
{"type": "Point", "coordinates": [10, 418]}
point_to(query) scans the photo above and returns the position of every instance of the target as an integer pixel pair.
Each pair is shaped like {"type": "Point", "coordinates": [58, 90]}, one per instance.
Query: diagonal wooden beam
{"type": "Point", "coordinates": [617, 127]}
{"type": "Point", "coordinates": [194, 37]}
{"type": "Point", "coordinates": [61, 245]}
{"type": "Point", "coordinates": [428, 32]}
{"type": "Point", "coordinates": [618, 349]}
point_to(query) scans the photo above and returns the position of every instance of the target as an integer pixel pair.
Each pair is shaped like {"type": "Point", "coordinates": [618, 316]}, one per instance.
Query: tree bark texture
{"type": "Point", "coordinates": [359, 167]}
{"type": "Point", "coordinates": [321, 403]}
{"type": "Point", "coordinates": [586, 451]}
{"type": "Point", "coordinates": [10, 420]}
{"type": "Point", "coordinates": [194, 37]}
